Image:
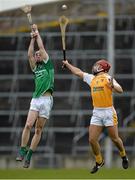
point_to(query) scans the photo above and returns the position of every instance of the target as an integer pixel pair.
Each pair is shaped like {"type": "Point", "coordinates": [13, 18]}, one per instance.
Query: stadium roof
{"type": "Point", "coordinates": [6, 5]}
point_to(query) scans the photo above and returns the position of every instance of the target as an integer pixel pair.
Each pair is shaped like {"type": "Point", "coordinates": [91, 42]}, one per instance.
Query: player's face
{"type": "Point", "coordinates": [96, 68]}
{"type": "Point", "coordinates": [38, 56]}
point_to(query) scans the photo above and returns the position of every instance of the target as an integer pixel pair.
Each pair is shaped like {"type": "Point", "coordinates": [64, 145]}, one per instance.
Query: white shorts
{"type": "Point", "coordinates": [104, 117]}
{"type": "Point", "coordinates": [43, 105]}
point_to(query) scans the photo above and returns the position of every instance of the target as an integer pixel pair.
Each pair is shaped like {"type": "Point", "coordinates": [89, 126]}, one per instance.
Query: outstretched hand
{"type": "Point", "coordinates": [34, 27]}
{"type": "Point", "coordinates": [65, 62]}
{"type": "Point", "coordinates": [34, 32]}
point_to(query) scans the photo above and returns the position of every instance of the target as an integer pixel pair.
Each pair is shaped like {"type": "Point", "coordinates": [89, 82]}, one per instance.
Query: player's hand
{"type": "Point", "coordinates": [34, 27]}
{"type": "Point", "coordinates": [34, 34]}
{"type": "Point", "coordinates": [64, 63]}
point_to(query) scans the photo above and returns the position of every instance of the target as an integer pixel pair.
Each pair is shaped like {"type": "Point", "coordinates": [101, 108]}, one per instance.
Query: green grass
{"type": "Point", "coordinates": [67, 174]}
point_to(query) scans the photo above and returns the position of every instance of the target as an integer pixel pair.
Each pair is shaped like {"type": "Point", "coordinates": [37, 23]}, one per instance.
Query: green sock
{"type": "Point", "coordinates": [29, 154]}
{"type": "Point", "coordinates": [23, 150]}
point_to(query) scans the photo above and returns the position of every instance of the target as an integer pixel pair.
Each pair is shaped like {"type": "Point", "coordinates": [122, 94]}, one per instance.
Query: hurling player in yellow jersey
{"type": "Point", "coordinates": [104, 114]}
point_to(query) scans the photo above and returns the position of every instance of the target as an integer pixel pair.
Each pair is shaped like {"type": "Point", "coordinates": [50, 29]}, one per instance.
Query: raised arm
{"type": "Point", "coordinates": [31, 53]}
{"type": "Point", "coordinates": [115, 86]}
{"type": "Point", "coordinates": [42, 50]}
{"type": "Point", "coordinates": [76, 71]}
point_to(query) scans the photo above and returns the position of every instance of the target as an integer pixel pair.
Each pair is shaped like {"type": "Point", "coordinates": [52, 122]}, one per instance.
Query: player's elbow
{"type": "Point", "coordinates": [118, 90]}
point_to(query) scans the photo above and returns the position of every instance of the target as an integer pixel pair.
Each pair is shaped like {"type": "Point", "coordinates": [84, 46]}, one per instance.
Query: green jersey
{"type": "Point", "coordinates": [44, 78]}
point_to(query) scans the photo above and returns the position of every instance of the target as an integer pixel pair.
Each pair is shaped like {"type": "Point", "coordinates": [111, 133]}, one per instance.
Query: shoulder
{"type": "Point", "coordinates": [87, 77]}
{"type": "Point", "coordinates": [48, 60]}
{"type": "Point", "coordinates": [107, 77]}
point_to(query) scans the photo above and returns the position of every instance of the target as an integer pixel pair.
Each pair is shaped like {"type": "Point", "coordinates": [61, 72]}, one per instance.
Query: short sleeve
{"type": "Point", "coordinates": [46, 60]}
{"type": "Point", "coordinates": [88, 78]}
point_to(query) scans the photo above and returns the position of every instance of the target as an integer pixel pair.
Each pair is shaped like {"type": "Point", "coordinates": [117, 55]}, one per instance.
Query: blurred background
{"type": "Point", "coordinates": [97, 29]}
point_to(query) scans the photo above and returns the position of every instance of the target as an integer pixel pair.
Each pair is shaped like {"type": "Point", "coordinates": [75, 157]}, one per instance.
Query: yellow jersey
{"type": "Point", "coordinates": [100, 91]}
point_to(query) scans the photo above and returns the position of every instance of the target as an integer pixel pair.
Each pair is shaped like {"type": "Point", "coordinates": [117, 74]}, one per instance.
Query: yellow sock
{"type": "Point", "coordinates": [122, 153]}
{"type": "Point", "coordinates": [99, 158]}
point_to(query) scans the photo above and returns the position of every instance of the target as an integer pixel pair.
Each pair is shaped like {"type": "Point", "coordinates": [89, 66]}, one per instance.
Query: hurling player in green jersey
{"type": "Point", "coordinates": [42, 100]}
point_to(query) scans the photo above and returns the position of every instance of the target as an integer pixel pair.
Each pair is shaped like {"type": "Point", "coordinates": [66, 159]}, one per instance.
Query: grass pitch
{"type": "Point", "coordinates": [67, 174]}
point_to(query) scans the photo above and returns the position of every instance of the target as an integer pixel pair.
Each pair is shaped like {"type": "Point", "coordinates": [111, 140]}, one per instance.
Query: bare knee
{"type": "Point", "coordinates": [92, 140]}
{"type": "Point", "coordinates": [38, 131]}
{"type": "Point", "coordinates": [28, 127]}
